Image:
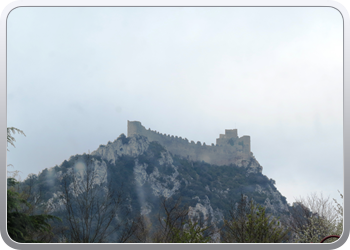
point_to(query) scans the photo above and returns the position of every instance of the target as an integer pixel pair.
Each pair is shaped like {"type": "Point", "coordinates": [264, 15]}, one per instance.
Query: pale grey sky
{"type": "Point", "coordinates": [76, 75]}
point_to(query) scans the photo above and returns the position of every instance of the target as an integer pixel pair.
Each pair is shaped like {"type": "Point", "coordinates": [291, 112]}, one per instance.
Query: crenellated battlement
{"type": "Point", "coordinates": [135, 127]}
{"type": "Point", "coordinates": [229, 147]}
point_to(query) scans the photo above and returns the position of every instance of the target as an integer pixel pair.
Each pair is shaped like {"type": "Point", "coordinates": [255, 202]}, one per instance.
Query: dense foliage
{"type": "Point", "coordinates": [21, 226]}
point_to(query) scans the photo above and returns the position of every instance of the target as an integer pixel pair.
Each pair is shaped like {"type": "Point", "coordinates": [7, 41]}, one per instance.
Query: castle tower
{"type": "Point", "coordinates": [246, 143]}
{"type": "Point", "coordinates": [134, 128]}
{"type": "Point", "coordinates": [230, 135]}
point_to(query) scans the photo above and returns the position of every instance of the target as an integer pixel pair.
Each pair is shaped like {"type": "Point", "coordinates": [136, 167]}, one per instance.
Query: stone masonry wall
{"type": "Point", "coordinates": [229, 147]}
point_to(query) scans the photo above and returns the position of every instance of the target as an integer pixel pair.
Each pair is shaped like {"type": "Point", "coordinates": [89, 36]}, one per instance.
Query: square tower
{"type": "Point", "coordinates": [134, 127]}
{"type": "Point", "coordinates": [229, 134]}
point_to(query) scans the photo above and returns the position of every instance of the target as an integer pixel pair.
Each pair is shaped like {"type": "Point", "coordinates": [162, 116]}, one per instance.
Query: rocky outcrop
{"type": "Point", "coordinates": [154, 172]}
{"type": "Point", "coordinates": [132, 146]}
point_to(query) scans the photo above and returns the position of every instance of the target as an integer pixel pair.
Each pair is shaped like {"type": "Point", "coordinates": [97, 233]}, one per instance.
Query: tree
{"type": "Point", "coordinates": [91, 206]}
{"type": "Point", "coordinates": [248, 222]}
{"type": "Point", "coordinates": [176, 226]}
{"type": "Point", "coordinates": [22, 227]}
{"type": "Point", "coordinates": [140, 232]}
{"type": "Point", "coordinates": [23, 224]}
{"type": "Point", "coordinates": [340, 212]}
{"type": "Point", "coordinates": [190, 232]}
{"type": "Point", "coordinates": [11, 139]}
{"type": "Point", "coordinates": [311, 218]}
{"type": "Point", "coordinates": [315, 217]}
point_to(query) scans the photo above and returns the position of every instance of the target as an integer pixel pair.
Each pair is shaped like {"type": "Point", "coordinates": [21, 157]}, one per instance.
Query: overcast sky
{"type": "Point", "coordinates": [76, 75]}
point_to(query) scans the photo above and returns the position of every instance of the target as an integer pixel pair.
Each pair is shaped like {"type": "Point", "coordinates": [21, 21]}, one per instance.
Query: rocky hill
{"type": "Point", "coordinates": [146, 172]}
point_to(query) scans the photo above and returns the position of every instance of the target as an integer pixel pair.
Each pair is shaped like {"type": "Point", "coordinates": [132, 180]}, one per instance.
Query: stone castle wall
{"type": "Point", "coordinates": [229, 147]}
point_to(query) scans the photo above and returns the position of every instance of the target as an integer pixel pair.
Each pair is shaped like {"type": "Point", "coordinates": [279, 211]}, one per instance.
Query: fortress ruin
{"type": "Point", "coordinates": [229, 148]}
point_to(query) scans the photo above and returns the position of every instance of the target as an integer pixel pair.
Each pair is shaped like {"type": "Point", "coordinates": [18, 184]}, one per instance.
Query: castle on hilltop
{"type": "Point", "coordinates": [229, 148]}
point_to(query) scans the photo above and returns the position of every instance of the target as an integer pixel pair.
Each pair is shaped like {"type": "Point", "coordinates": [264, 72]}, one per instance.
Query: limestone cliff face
{"type": "Point", "coordinates": [135, 146]}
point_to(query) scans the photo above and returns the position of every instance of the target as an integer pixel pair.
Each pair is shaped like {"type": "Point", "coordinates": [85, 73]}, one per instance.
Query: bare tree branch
{"type": "Point", "coordinates": [91, 206]}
